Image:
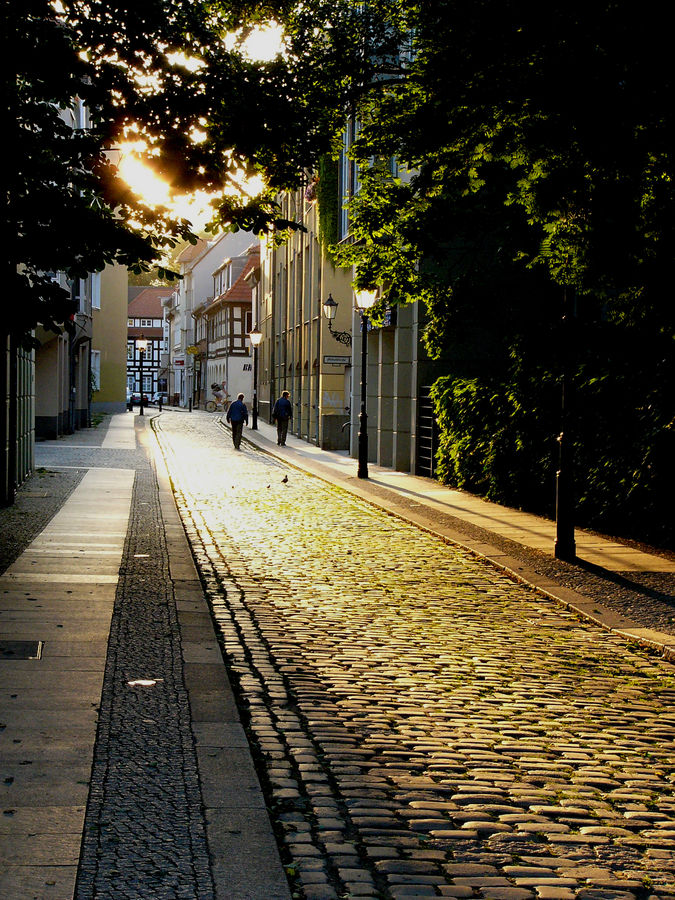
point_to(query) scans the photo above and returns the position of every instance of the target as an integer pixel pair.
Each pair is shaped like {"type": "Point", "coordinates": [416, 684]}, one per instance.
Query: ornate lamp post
{"type": "Point", "coordinates": [364, 301]}
{"type": "Point", "coordinates": [255, 336]}
{"type": "Point", "coordinates": [142, 345]}
{"type": "Point", "coordinates": [329, 310]}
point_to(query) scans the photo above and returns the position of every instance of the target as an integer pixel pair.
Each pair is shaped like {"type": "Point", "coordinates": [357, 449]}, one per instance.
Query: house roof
{"type": "Point", "coordinates": [241, 289]}
{"type": "Point", "coordinates": [148, 304]}
{"type": "Point", "coordinates": [192, 251]}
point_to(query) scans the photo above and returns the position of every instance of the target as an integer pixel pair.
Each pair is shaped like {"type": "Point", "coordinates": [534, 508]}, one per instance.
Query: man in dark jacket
{"type": "Point", "coordinates": [282, 413]}
{"type": "Point", "coordinates": [237, 414]}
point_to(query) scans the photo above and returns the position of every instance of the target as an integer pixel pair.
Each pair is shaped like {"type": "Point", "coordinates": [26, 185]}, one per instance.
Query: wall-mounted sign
{"type": "Point", "coordinates": [337, 360]}
{"type": "Point", "coordinates": [389, 318]}
{"type": "Point", "coordinates": [179, 362]}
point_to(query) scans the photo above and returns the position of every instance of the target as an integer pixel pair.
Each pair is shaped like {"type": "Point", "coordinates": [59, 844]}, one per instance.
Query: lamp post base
{"type": "Point", "coordinates": [565, 547]}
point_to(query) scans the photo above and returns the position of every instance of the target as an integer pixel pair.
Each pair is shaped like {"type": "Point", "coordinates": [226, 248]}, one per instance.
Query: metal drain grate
{"type": "Point", "coordinates": [21, 649]}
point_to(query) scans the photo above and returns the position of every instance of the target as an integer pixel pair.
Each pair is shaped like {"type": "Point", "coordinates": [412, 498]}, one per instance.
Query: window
{"type": "Point", "coordinates": [130, 323]}
{"type": "Point", "coordinates": [96, 290]}
{"type": "Point", "coordinates": [240, 323]}
{"type": "Point", "coordinates": [96, 370]}
{"type": "Point", "coordinates": [146, 323]}
{"type": "Point", "coordinates": [348, 176]}
{"type": "Point", "coordinates": [130, 349]}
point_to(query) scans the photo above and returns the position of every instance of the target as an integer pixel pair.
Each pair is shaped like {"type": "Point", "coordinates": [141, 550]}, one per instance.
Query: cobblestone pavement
{"type": "Point", "coordinates": [425, 727]}
{"type": "Point", "coordinates": [144, 828]}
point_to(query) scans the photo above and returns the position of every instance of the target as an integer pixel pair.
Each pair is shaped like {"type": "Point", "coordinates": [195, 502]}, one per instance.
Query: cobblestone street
{"type": "Point", "coordinates": [425, 726]}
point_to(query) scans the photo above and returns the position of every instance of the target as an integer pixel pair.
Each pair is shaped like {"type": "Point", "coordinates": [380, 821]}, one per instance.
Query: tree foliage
{"type": "Point", "coordinates": [558, 124]}
{"type": "Point", "coordinates": [157, 71]}
{"type": "Point", "coordinates": [535, 153]}
{"type": "Point", "coordinates": [66, 208]}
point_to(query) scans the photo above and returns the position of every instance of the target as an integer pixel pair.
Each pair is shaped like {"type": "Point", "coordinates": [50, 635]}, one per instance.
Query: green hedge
{"type": "Point", "coordinates": [494, 442]}
{"type": "Point", "coordinates": [498, 439]}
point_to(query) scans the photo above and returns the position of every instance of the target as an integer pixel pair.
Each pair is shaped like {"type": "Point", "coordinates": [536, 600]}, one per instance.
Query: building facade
{"type": "Point", "coordinates": [145, 320]}
{"type": "Point", "coordinates": [223, 321]}
{"type": "Point", "coordinates": [17, 416]}
{"type": "Point", "coordinates": [320, 363]}
{"type": "Point", "coordinates": [181, 363]}
{"type": "Point", "coordinates": [63, 366]}
{"type": "Point", "coordinates": [298, 353]}
{"type": "Point", "coordinates": [109, 338]}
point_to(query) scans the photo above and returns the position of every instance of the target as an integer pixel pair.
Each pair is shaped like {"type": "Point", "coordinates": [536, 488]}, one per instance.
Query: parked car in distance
{"type": "Point", "coordinates": [134, 398]}
{"type": "Point", "coordinates": [163, 395]}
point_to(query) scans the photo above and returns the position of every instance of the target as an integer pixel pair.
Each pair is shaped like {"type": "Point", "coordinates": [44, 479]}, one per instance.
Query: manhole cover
{"type": "Point", "coordinates": [20, 649]}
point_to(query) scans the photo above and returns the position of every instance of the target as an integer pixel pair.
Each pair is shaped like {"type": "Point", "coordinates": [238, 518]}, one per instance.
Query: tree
{"type": "Point", "coordinates": [157, 72]}
{"type": "Point", "coordinates": [537, 155]}
{"type": "Point", "coordinates": [66, 208]}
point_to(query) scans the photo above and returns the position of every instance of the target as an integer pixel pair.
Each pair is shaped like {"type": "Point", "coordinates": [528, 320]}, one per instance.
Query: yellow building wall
{"type": "Point", "coordinates": [110, 339]}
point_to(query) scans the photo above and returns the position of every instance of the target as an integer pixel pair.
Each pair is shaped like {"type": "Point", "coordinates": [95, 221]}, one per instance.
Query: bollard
{"type": "Point", "coordinates": [190, 405]}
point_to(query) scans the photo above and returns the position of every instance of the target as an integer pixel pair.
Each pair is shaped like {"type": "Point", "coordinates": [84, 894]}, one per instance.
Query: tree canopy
{"type": "Point", "coordinates": [90, 76]}
{"type": "Point", "coordinates": [533, 155]}
{"type": "Point", "coordinates": [541, 137]}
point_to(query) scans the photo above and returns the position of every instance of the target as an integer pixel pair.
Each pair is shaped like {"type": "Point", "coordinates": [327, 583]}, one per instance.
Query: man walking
{"type": "Point", "coordinates": [282, 413]}
{"type": "Point", "coordinates": [237, 414]}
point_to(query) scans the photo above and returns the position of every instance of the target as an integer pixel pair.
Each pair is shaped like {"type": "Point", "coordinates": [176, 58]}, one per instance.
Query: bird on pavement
{"type": "Point", "coordinates": [284, 479]}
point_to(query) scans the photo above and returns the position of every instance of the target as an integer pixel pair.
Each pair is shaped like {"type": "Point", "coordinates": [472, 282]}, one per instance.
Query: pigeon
{"type": "Point", "coordinates": [284, 480]}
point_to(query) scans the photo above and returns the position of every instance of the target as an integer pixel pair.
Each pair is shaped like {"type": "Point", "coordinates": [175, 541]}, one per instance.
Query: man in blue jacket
{"type": "Point", "coordinates": [237, 414]}
{"type": "Point", "coordinates": [282, 413]}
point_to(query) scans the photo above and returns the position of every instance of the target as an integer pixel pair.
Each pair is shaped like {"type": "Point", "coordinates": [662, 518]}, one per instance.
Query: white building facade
{"type": "Point", "coordinates": [182, 362]}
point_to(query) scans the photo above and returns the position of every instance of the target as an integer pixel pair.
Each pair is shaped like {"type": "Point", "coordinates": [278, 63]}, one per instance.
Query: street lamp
{"type": "Point", "coordinates": [255, 336]}
{"type": "Point", "coordinates": [329, 310]}
{"type": "Point", "coordinates": [365, 299]}
{"type": "Point", "coordinates": [142, 345]}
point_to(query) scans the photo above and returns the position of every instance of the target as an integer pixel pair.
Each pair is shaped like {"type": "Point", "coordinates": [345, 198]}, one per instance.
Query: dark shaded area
{"type": "Point", "coordinates": [37, 501]}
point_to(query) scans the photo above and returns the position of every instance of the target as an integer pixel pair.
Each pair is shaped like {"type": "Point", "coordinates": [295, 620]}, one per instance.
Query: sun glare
{"type": "Point", "coordinates": [142, 180]}
{"type": "Point", "coordinates": [198, 207]}
{"type": "Point", "coordinates": [191, 63]}
{"type": "Point", "coordinates": [261, 44]}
